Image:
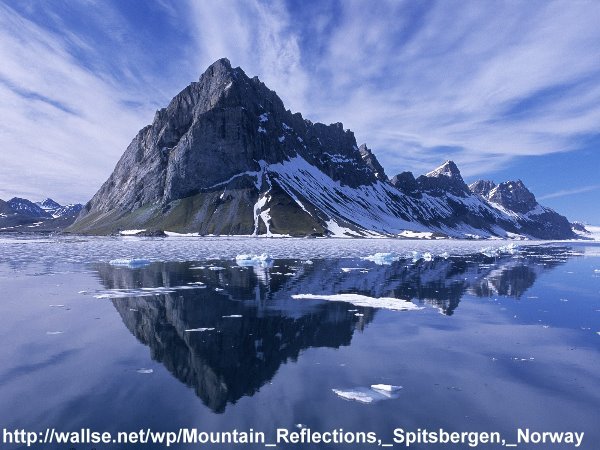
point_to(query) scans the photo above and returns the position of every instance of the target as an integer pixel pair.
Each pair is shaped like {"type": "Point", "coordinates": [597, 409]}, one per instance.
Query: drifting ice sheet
{"type": "Point", "coordinates": [395, 304]}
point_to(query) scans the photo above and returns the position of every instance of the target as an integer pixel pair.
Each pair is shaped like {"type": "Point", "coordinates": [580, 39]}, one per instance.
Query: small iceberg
{"type": "Point", "coordinates": [232, 316]}
{"type": "Point", "coordinates": [263, 260]}
{"type": "Point", "coordinates": [191, 330]}
{"type": "Point", "coordinates": [386, 387]}
{"type": "Point", "coordinates": [382, 258]}
{"type": "Point", "coordinates": [132, 263]}
{"type": "Point", "coordinates": [394, 304]}
{"type": "Point", "coordinates": [53, 333]}
{"type": "Point", "coordinates": [368, 395]}
{"type": "Point", "coordinates": [145, 371]}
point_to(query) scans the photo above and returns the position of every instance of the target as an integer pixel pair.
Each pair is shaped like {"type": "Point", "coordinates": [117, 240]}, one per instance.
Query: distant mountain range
{"type": "Point", "coordinates": [22, 215]}
{"type": "Point", "coordinates": [226, 158]}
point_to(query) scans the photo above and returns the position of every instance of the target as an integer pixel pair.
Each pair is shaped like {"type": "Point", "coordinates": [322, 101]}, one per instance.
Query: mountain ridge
{"type": "Point", "coordinates": [226, 157]}
{"type": "Point", "coordinates": [22, 215]}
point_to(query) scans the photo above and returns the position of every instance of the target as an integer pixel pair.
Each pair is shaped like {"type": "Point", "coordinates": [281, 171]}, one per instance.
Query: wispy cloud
{"type": "Point", "coordinates": [567, 192]}
{"type": "Point", "coordinates": [64, 123]}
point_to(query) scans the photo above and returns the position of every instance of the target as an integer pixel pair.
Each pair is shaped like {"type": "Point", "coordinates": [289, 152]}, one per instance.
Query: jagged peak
{"type": "Point", "coordinates": [448, 169]}
{"type": "Point", "coordinates": [513, 195]}
{"type": "Point", "coordinates": [49, 203]}
{"type": "Point", "coordinates": [482, 187]}
{"type": "Point", "coordinates": [220, 65]}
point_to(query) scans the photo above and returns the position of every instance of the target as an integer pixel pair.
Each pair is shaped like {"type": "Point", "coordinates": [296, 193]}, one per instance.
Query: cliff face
{"type": "Point", "coordinates": [226, 157]}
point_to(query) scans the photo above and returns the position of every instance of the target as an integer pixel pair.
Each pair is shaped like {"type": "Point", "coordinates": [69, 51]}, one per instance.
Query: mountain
{"type": "Point", "coordinates": [48, 205]}
{"type": "Point", "coordinates": [226, 157]}
{"type": "Point", "coordinates": [22, 215]}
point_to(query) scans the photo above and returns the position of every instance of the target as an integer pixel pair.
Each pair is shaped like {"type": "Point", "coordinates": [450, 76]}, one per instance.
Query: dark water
{"type": "Point", "coordinates": [502, 342]}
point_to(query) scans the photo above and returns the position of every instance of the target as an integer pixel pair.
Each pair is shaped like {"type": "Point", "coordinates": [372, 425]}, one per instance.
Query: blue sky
{"type": "Point", "coordinates": [506, 89]}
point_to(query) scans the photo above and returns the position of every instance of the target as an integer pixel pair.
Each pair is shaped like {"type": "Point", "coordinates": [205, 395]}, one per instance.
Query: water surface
{"type": "Point", "coordinates": [506, 338]}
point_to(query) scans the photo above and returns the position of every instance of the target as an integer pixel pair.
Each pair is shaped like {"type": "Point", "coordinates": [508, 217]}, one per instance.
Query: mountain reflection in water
{"type": "Point", "coordinates": [252, 324]}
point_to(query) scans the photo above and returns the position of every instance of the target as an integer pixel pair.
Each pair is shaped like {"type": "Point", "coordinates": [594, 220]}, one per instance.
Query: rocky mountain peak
{"type": "Point", "coordinates": [226, 157]}
{"type": "Point", "coordinates": [446, 178]}
{"type": "Point", "coordinates": [49, 204]}
{"type": "Point", "coordinates": [406, 182]}
{"type": "Point", "coordinates": [482, 187]}
{"type": "Point", "coordinates": [448, 169]}
{"type": "Point", "coordinates": [513, 195]}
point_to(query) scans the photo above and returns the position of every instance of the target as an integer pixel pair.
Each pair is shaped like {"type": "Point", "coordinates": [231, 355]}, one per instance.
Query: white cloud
{"type": "Point", "coordinates": [62, 127]}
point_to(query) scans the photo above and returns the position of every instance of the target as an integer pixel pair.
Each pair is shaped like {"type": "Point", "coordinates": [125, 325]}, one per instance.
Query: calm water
{"type": "Point", "coordinates": [506, 338]}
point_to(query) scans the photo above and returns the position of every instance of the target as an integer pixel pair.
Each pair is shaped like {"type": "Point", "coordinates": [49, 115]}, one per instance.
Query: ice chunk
{"type": "Point", "coordinates": [129, 262]}
{"type": "Point", "coordinates": [386, 387]}
{"type": "Point", "coordinates": [130, 232]}
{"type": "Point", "coordinates": [52, 333]}
{"type": "Point", "coordinates": [427, 256]}
{"type": "Point", "coordinates": [367, 395]}
{"type": "Point", "coordinates": [145, 370]}
{"type": "Point", "coordinates": [190, 330]}
{"type": "Point", "coordinates": [355, 394]}
{"type": "Point", "coordinates": [232, 316]}
{"type": "Point", "coordinates": [350, 269]}
{"type": "Point", "coordinates": [263, 260]}
{"type": "Point", "coordinates": [382, 258]}
{"type": "Point", "coordinates": [395, 304]}
{"type": "Point", "coordinates": [216, 268]}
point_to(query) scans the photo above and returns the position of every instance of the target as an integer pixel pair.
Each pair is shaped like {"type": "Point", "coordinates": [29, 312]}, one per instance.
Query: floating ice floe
{"type": "Point", "coordinates": [129, 262]}
{"type": "Point", "coordinates": [232, 316]}
{"type": "Point", "coordinates": [263, 260]}
{"type": "Point", "coordinates": [130, 232]}
{"type": "Point", "coordinates": [190, 330]}
{"type": "Point", "coordinates": [497, 251]}
{"type": "Point", "coordinates": [368, 395]}
{"type": "Point", "coordinates": [395, 304]}
{"type": "Point", "coordinates": [57, 306]}
{"type": "Point", "coordinates": [382, 258]}
{"type": "Point", "coordinates": [386, 387]}
{"type": "Point", "coordinates": [145, 370]}
{"type": "Point", "coordinates": [216, 268]}
{"type": "Point", "coordinates": [350, 269]}
{"type": "Point", "coordinates": [596, 270]}
{"type": "Point", "coordinates": [52, 333]}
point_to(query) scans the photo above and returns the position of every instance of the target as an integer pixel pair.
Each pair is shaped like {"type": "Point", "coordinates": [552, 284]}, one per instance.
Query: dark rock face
{"type": "Point", "coordinates": [513, 195]}
{"type": "Point", "coordinates": [482, 187]}
{"type": "Point", "coordinates": [406, 182]}
{"type": "Point", "coordinates": [226, 157]}
{"type": "Point", "coordinates": [371, 162]}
